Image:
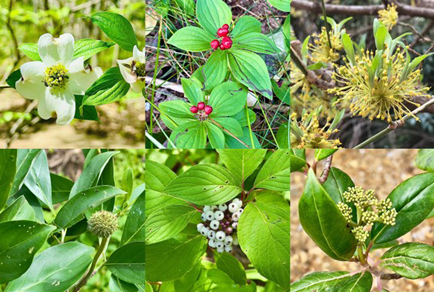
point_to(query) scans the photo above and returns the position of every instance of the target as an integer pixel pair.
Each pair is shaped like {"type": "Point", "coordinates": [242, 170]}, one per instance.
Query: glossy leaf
{"type": "Point", "coordinates": [176, 109]}
{"type": "Point", "coordinates": [275, 174]}
{"type": "Point", "coordinates": [231, 266]}
{"type": "Point", "coordinates": [264, 236]}
{"type": "Point", "coordinates": [283, 5]}
{"type": "Point", "coordinates": [298, 159]}
{"type": "Point", "coordinates": [117, 28]}
{"type": "Point", "coordinates": [242, 163]}
{"type": "Point", "coordinates": [192, 90]}
{"type": "Point", "coordinates": [323, 222]}
{"type": "Point", "coordinates": [190, 135]}
{"type": "Point", "coordinates": [84, 112]}
{"type": "Point", "coordinates": [56, 269]}
{"type": "Point", "coordinates": [82, 201]}
{"type": "Point", "coordinates": [38, 179]}
{"type": "Point", "coordinates": [92, 173]}
{"type": "Point", "coordinates": [321, 154]}
{"type": "Point", "coordinates": [361, 282]}
{"type": "Point", "coordinates": [166, 222]}
{"type": "Point", "coordinates": [18, 210]}
{"type": "Point", "coordinates": [245, 25]}
{"type": "Point", "coordinates": [411, 260]}
{"type": "Point", "coordinates": [30, 50]}
{"type": "Point", "coordinates": [213, 14]}
{"type": "Point", "coordinates": [204, 184]}
{"type": "Point", "coordinates": [333, 281]}
{"type": "Point", "coordinates": [413, 200]}
{"type": "Point", "coordinates": [250, 70]}
{"type": "Point", "coordinates": [191, 39]}
{"type": "Point", "coordinates": [134, 229]}
{"type": "Point", "coordinates": [86, 48]}
{"type": "Point", "coordinates": [117, 285]}
{"type": "Point", "coordinates": [8, 163]}
{"type": "Point", "coordinates": [171, 259]}
{"type": "Point", "coordinates": [61, 187]}
{"type": "Point", "coordinates": [128, 263]}
{"type": "Point", "coordinates": [227, 99]}
{"type": "Point", "coordinates": [20, 242]}
{"type": "Point", "coordinates": [425, 159]}
{"type": "Point", "coordinates": [25, 160]}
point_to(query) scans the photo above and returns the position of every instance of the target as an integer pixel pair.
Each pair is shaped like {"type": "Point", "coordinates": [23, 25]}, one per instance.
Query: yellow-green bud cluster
{"type": "Point", "coordinates": [56, 77]}
{"type": "Point", "coordinates": [369, 217]}
{"type": "Point", "coordinates": [103, 224]}
{"type": "Point", "coordinates": [360, 197]}
{"type": "Point", "coordinates": [389, 16]}
{"type": "Point", "coordinates": [360, 234]}
{"type": "Point", "coordinates": [346, 211]}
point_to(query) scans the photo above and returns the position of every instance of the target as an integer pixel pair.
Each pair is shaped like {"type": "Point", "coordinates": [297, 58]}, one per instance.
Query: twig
{"type": "Point", "coordinates": [392, 126]}
{"type": "Point", "coordinates": [327, 168]}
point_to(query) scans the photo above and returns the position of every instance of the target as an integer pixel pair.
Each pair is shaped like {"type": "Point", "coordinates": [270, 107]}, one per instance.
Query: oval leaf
{"type": "Point", "coordinates": [128, 263]}
{"type": "Point", "coordinates": [192, 39]}
{"type": "Point", "coordinates": [275, 174]}
{"type": "Point", "coordinates": [213, 14]}
{"type": "Point", "coordinates": [8, 162]}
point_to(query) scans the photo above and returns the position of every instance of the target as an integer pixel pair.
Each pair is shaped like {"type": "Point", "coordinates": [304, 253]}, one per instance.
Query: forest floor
{"type": "Point", "coordinates": [381, 170]}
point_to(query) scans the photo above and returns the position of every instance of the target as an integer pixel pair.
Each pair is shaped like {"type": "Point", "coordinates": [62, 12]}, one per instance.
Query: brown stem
{"type": "Point", "coordinates": [327, 168]}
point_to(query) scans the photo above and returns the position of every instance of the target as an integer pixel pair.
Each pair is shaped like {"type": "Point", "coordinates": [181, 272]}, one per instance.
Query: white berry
{"type": "Point", "coordinates": [206, 209]}
{"type": "Point", "coordinates": [228, 240]}
{"type": "Point", "coordinates": [204, 231]}
{"type": "Point", "coordinates": [236, 216]}
{"type": "Point", "coordinates": [214, 224]}
{"type": "Point", "coordinates": [212, 243]}
{"type": "Point", "coordinates": [209, 215]}
{"type": "Point", "coordinates": [219, 215]}
{"type": "Point", "coordinates": [219, 244]}
{"type": "Point", "coordinates": [238, 202]}
{"type": "Point", "coordinates": [223, 207]}
{"type": "Point", "coordinates": [214, 207]}
{"type": "Point", "coordinates": [199, 227]}
{"type": "Point", "coordinates": [240, 210]}
{"type": "Point", "coordinates": [233, 207]}
{"type": "Point", "coordinates": [203, 216]}
{"type": "Point", "coordinates": [228, 248]}
{"type": "Point", "coordinates": [234, 225]}
{"type": "Point", "coordinates": [211, 234]}
{"type": "Point", "coordinates": [220, 235]}
{"type": "Point", "coordinates": [220, 250]}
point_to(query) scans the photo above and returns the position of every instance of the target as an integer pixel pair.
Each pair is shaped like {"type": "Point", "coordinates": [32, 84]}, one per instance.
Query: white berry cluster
{"type": "Point", "coordinates": [220, 224]}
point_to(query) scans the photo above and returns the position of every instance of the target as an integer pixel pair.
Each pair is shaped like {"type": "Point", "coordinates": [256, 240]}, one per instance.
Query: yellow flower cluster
{"type": "Point", "coordinates": [321, 49]}
{"type": "Point", "coordinates": [346, 211]}
{"type": "Point", "coordinates": [309, 134]}
{"type": "Point", "coordinates": [360, 234]}
{"type": "Point", "coordinates": [56, 76]}
{"type": "Point", "coordinates": [389, 16]}
{"type": "Point", "coordinates": [382, 95]}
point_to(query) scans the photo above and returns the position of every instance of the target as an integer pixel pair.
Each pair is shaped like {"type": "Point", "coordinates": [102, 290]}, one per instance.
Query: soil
{"type": "Point", "coordinates": [381, 170]}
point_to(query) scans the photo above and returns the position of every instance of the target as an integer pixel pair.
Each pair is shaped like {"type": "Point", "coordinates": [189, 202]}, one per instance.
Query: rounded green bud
{"type": "Point", "coordinates": [103, 224]}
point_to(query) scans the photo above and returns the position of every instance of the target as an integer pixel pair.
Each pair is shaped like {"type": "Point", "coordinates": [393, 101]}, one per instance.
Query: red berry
{"type": "Point", "coordinates": [201, 105]}
{"type": "Point", "coordinates": [215, 44]}
{"type": "Point", "coordinates": [225, 26]}
{"type": "Point", "coordinates": [194, 109]}
{"type": "Point", "coordinates": [227, 42]}
{"type": "Point", "coordinates": [208, 110]}
{"type": "Point", "coordinates": [221, 32]}
{"type": "Point", "coordinates": [222, 47]}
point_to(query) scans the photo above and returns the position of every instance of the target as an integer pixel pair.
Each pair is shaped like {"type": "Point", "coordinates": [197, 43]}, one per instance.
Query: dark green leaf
{"type": "Point", "coordinates": [18, 210]}
{"type": "Point", "coordinates": [25, 160]}
{"type": "Point", "coordinates": [231, 266]}
{"type": "Point", "coordinates": [425, 159]}
{"type": "Point", "coordinates": [128, 263]}
{"type": "Point", "coordinates": [86, 48]}
{"type": "Point", "coordinates": [8, 164]}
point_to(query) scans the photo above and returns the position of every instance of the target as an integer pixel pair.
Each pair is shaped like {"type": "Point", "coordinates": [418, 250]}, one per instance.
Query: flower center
{"type": "Point", "coordinates": [56, 76]}
{"type": "Point", "coordinates": [139, 69]}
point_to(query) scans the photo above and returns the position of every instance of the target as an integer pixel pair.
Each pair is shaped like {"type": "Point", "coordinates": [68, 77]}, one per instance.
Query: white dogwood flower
{"type": "Point", "coordinates": [55, 80]}
{"type": "Point", "coordinates": [133, 69]}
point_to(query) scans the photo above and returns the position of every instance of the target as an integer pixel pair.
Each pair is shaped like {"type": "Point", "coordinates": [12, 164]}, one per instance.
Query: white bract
{"type": "Point", "coordinates": [55, 80]}
{"type": "Point", "coordinates": [133, 69]}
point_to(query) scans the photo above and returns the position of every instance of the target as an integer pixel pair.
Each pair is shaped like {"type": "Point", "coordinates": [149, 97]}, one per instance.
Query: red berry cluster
{"type": "Point", "coordinates": [226, 42]}
{"type": "Point", "coordinates": [201, 107]}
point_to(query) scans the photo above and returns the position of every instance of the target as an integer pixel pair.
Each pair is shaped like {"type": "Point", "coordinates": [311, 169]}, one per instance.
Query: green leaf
{"type": "Point", "coordinates": [245, 25]}
{"type": "Point", "coordinates": [349, 48]}
{"type": "Point", "coordinates": [321, 154]}
{"type": "Point", "coordinates": [117, 28]}
{"type": "Point", "coordinates": [82, 201]}
{"type": "Point", "coordinates": [323, 222]}
{"type": "Point", "coordinates": [128, 263]}
{"type": "Point", "coordinates": [250, 70]}
{"type": "Point", "coordinates": [49, 272]}
{"type": "Point", "coordinates": [190, 135]}
{"type": "Point", "coordinates": [86, 48]}
{"type": "Point", "coordinates": [171, 259]}
{"type": "Point", "coordinates": [13, 78]}
{"type": "Point", "coordinates": [242, 163]}
{"type": "Point", "coordinates": [213, 14]}
{"type": "Point", "coordinates": [191, 39]}
{"type": "Point", "coordinates": [283, 5]}
{"type": "Point", "coordinates": [298, 159]}
{"type": "Point", "coordinates": [117, 285]}
{"type": "Point", "coordinates": [413, 201]}
{"type": "Point", "coordinates": [275, 174]}
{"type": "Point", "coordinates": [205, 184]}
{"type": "Point", "coordinates": [177, 109]}
{"type": "Point", "coordinates": [8, 162]}
{"type": "Point", "coordinates": [92, 172]}
{"type": "Point", "coordinates": [38, 179]}
{"type": "Point", "coordinates": [186, 283]}
{"type": "Point", "coordinates": [333, 281]}
{"type": "Point", "coordinates": [109, 88]}
{"type": "Point", "coordinates": [361, 282]}
{"type": "Point", "coordinates": [188, 6]}
{"type": "Point", "coordinates": [166, 222]}
{"type": "Point", "coordinates": [89, 111]}
{"type": "Point", "coordinates": [231, 266]}
{"type": "Point", "coordinates": [411, 260]}
{"type": "Point", "coordinates": [215, 69]}
{"type": "Point", "coordinates": [134, 229]}
{"type": "Point", "coordinates": [20, 242]}
{"type": "Point", "coordinates": [227, 99]}
{"type": "Point", "coordinates": [192, 90]}
{"type": "Point", "coordinates": [30, 50]}
{"type": "Point", "coordinates": [283, 137]}
{"type": "Point", "coordinates": [425, 159]}
{"type": "Point", "coordinates": [215, 136]}
{"type": "Point", "coordinates": [61, 187]}
{"type": "Point", "coordinates": [158, 177]}
{"type": "Point", "coordinates": [233, 143]}
{"type": "Point", "coordinates": [230, 124]}
{"type": "Point", "coordinates": [255, 42]}
{"type": "Point", "coordinates": [18, 210]}
{"type": "Point", "coordinates": [264, 237]}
